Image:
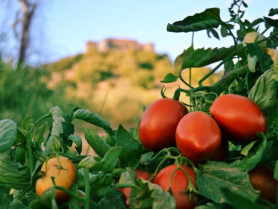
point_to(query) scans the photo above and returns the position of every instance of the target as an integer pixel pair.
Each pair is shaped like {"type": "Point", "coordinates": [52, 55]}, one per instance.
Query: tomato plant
{"type": "Point", "coordinates": [262, 179]}
{"type": "Point", "coordinates": [239, 117]}
{"type": "Point", "coordinates": [188, 154]}
{"type": "Point", "coordinates": [198, 136]}
{"type": "Point", "coordinates": [175, 178]}
{"type": "Point", "coordinates": [64, 173]}
{"type": "Point", "coordinates": [159, 122]}
{"type": "Point", "coordinates": [126, 191]}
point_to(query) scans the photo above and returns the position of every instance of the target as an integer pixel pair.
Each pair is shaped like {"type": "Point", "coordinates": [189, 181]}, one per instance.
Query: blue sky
{"type": "Point", "coordinates": [64, 26]}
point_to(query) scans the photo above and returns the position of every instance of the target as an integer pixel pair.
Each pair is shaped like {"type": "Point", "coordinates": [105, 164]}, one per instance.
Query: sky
{"type": "Point", "coordinates": [62, 27]}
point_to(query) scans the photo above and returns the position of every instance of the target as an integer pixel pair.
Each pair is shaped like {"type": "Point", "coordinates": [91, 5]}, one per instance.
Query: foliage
{"type": "Point", "coordinates": [119, 152]}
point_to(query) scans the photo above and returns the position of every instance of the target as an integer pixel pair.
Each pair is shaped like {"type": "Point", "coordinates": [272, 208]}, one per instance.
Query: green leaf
{"type": "Point", "coordinates": [239, 201]}
{"type": "Point", "coordinates": [276, 171]}
{"type": "Point", "coordinates": [255, 155]}
{"type": "Point", "coordinates": [11, 174]}
{"type": "Point", "coordinates": [145, 194]}
{"type": "Point", "coordinates": [264, 92]}
{"type": "Point", "coordinates": [86, 115]}
{"type": "Point", "coordinates": [5, 197]}
{"type": "Point", "coordinates": [55, 140]}
{"type": "Point", "coordinates": [169, 78]}
{"type": "Point", "coordinates": [208, 19]}
{"type": "Point", "coordinates": [214, 176]}
{"type": "Point", "coordinates": [106, 164]}
{"type": "Point", "coordinates": [39, 137]}
{"type": "Point", "coordinates": [213, 205]}
{"type": "Point", "coordinates": [99, 146]}
{"type": "Point", "coordinates": [28, 123]}
{"type": "Point", "coordinates": [132, 148]}
{"type": "Point", "coordinates": [101, 183]}
{"type": "Point", "coordinates": [203, 57]}
{"type": "Point", "coordinates": [271, 22]}
{"type": "Point", "coordinates": [17, 204]}
{"type": "Point", "coordinates": [263, 58]}
{"type": "Point", "coordinates": [113, 199]}
{"type": "Point", "coordinates": [273, 12]}
{"type": "Point", "coordinates": [252, 62]}
{"type": "Point", "coordinates": [47, 199]}
{"type": "Point", "coordinates": [214, 33]}
{"type": "Point", "coordinates": [77, 141]}
{"type": "Point", "coordinates": [8, 133]}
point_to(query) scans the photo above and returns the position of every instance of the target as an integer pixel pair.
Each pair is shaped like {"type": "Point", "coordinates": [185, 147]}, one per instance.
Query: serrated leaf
{"type": "Point", "coordinates": [112, 199]}
{"type": "Point", "coordinates": [106, 164]}
{"type": "Point", "coordinates": [178, 62]}
{"type": "Point", "coordinates": [252, 62]}
{"type": "Point", "coordinates": [257, 21]}
{"type": "Point", "coordinates": [239, 201]}
{"type": "Point", "coordinates": [77, 141]}
{"type": "Point", "coordinates": [8, 133]}
{"type": "Point", "coordinates": [169, 78]}
{"type": "Point", "coordinates": [264, 92]}
{"type": "Point", "coordinates": [202, 57]}
{"type": "Point", "coordinates": [271, 22]}
{"type": "Point", "coordinates": [255, 155]}
{"type": "Point", "coordinates": [273, 12]}
{"type": "Point", "coordinates": [98, 144]}
{"type": "Point", "coordinates": [86, 115]}
{"type": "Point", "coordinates": [132, 148]}
{"type": "Point", "coordinates": [11, 174]}
{"type": "Point", "coordinates": [145, 194]}
{"type": "Point", "coordinates": [263, 58]}
{"type": "Point", "coordinates": [208, 19]}
{"type": "Point", "coordinates": [214, 33]}
{"type": "Point", "coordinates": [214, 176]}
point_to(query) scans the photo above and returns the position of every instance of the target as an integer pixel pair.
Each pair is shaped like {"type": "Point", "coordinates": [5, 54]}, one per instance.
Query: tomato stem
{"type": "Point", "coordinates": [87, 189]}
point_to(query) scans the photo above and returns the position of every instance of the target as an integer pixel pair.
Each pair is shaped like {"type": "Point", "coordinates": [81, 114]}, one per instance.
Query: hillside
{"type": "Point", "coordinates": [116, 82]}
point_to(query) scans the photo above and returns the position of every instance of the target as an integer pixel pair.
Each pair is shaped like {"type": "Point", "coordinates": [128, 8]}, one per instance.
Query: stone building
{"type": "Point", "coordinates": [118, 44]}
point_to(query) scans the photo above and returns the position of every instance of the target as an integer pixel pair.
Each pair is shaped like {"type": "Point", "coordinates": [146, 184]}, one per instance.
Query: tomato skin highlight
{"type": "Point", "coordinates": [198, 136]}
{"type": "Point", "coordinates": [239, 118]}
{"type": "Point", "coordinates": [179, 184]}
{"type": "Point", "coordinates": [262, 179]}
{"type": "Point", "coordinates": [159, 122]}
{"type": "Point", "coordinates": [126, 191]}
{"type": "Point", "coordinates": [65, 175]}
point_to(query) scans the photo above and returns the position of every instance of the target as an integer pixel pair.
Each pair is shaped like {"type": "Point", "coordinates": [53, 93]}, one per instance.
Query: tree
{"type": "Point", "coordinates": [24, 17]}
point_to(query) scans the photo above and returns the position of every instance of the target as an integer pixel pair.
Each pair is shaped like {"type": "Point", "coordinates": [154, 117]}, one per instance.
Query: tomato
{"type": "Point", "coordinates": [198, 136]}
{"type": "Point", "coordinates": [239, 117]}
{"type": "Point", "coordinates": [64, 172]}
{"type": "Point", "coordinates": [262, 179]}
{"type": "Point", "coordinates": [126, 191]}
{"type": "Point", "coordinates": [252, 37]}
{"type": "Point", "coordinates": [159, 122]}
{"type": "Point", "coordinates": [179, 184]}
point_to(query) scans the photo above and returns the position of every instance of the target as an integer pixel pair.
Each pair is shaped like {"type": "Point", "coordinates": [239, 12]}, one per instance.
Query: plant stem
{"type": "Point", "coordinates": [87, 188]}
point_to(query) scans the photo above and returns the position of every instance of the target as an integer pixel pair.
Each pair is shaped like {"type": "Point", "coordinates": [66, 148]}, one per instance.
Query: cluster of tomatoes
{"type": "Point", "coordinates": [199, 136]}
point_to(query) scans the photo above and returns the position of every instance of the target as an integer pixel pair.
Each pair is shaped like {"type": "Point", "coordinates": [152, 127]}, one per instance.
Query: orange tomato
{"type": "Point", "coordinates": [64, 172]}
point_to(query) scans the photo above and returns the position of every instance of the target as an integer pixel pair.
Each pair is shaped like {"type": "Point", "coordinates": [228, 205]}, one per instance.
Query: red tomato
{"type": "Point", "coordinates": [198, 136]}
{"type": "Point", "coordinates": [262, 179]}
{"type": "Point", "coordinates": [159, 122]}
{"type": "Point", "coordinates": [65, 175]}
{"type": "Point", "coordinates": [179, 184]}
{"type": "Point", "coordinates": [126, 191]}
{"type": "Point", "coordinates": [239, 117]}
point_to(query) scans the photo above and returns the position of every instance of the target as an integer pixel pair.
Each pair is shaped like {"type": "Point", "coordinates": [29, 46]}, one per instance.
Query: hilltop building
{"type": "Point", "coordinates": [117, 44]}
